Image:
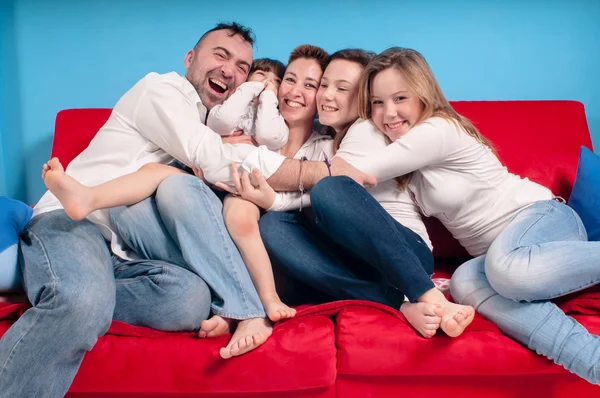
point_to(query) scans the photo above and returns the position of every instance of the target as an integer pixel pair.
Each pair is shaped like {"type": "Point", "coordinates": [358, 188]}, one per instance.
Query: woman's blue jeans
{"type": "Point", "coordinates": [542, 254]}
{"type": "Point", "coordinates": [352, 250]}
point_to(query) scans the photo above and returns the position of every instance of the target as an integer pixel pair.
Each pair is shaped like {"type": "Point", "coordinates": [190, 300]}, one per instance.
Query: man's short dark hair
{"type": "Point", "coordinates": [268, 65]}
{"type": "Point", "coordinates": [234, 28]}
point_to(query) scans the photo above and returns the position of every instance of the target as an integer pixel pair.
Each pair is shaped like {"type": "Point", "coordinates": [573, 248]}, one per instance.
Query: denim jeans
{"type": "Point", "coordinates": [183, 223]}
{"type": "Point", "coordinates": [353, 250]}
{"type": "Point", "coordinates": [543, 253]}
{"type": "Point", "coordinates": [76, 286]}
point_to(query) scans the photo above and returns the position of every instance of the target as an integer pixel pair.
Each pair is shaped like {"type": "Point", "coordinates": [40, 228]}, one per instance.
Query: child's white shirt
{"type": "Point", "coordinates": [240, 112]}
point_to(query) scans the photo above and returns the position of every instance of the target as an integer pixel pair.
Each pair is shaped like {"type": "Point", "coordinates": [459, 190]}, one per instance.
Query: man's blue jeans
{"type": "Point", "coordinates": [76, 286]}
{"type": "Point", "coordinates": [353, 250]}
{"type": "Point", "coordinates": [542, 254]}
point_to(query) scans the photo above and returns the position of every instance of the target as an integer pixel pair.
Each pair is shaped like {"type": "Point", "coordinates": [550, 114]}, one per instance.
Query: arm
{"type": "Point", "coordinates": [224, 118]}
{"type": "Point", "coordinates": [286, 178]}
{"type": "Point", "coordinates": [170, 120]}
{"type": "Point", "coordinates": [285, 201]}
{"type": "Point", "coordinates": [270, 128]}
{"type": "Point", "coordinates": [425, 144]}
{"type": "Point", "coordinates": [262, 194]}
{"type": "Point", "coordinates": [318, 151]}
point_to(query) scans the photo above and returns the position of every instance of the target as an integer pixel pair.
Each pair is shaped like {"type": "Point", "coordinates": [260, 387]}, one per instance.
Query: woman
{"type": "Point", "coordinates": [529, 246]}
{"type": "Point", "coordinates": [297, 105]}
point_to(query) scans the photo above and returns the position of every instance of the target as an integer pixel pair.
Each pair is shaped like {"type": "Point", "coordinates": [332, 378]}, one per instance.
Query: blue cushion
{"type": "Point", "coordinates": [585, 197]}
{"type": "Point", "coordinates": [14, 216]}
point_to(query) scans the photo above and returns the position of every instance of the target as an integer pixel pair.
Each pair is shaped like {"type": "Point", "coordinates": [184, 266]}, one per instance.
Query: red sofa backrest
{"type": "Point", "coordinates": [535, 139]}
{"type": "Point", "coordinates": [74, 129]}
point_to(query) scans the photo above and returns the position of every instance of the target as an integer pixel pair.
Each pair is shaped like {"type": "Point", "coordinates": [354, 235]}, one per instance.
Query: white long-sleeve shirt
{"type": "Point", "coordinates": [161, 118]}
{"type": "Point", "coordinates": [457, 180]}
{"type": "Point", "coordinates": [315, 148]}
{"type": "Point", "coordinates": [364, 139]}
{"type": "Point", "coordinates": [262, 121]}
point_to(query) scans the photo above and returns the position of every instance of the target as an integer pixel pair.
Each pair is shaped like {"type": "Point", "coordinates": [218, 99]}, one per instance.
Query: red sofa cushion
{"type": "Point", "coordinates": [298, 356]}
{"type": "Point", "coordinates": [379, 354]}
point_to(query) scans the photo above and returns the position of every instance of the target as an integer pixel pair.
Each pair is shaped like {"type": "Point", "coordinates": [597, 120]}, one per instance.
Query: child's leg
{"type": "Point", "coordinates": [79, 201]}
{"type": "Point", "coordinates": [241, 218]}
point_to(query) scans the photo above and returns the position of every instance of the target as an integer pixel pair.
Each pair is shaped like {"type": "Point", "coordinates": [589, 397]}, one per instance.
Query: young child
{"type": "Point", "coordinates": [252, 108]}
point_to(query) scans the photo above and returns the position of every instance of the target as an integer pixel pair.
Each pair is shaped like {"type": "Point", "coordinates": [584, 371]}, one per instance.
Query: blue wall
{"type": "Point", "coordinates": [68, 53]}
{"type": "Point", "coordinates": [12, 160]}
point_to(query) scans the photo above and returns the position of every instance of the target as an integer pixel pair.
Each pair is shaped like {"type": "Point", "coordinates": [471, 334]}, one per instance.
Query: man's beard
{"type": "Point", "coordinates": [208, 98]}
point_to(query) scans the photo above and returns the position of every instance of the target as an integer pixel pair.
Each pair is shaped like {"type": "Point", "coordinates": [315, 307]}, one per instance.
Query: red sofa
{"type": "Point", "coordinates": [355, 348]}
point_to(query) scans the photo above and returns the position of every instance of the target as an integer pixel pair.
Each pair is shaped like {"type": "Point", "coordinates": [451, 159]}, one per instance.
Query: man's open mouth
{"type": "Point", "coordinates": [217, 85]}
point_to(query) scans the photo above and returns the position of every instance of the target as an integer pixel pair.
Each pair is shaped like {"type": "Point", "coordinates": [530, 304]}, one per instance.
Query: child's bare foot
{"type": "Point", "coordinates": [75, 197]}
{"type": "Point", "coordinates": [424, 317]}
{"type": "Point", "coordinates": [249, 334]}
{"type": "Point", "coordinates": [215, 326]}
{"type": "Point", "coordinates": [456, 318]}
{"type": "Point", "coordinates": [276, 309]}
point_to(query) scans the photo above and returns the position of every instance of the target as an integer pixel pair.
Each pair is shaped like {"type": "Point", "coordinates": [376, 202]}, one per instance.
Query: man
{"type": "Point", "coordinates": [78, 283]}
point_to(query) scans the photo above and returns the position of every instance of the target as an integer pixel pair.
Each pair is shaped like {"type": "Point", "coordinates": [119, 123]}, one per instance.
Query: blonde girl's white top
{"type": "Point", "coordinates": [457, 180]}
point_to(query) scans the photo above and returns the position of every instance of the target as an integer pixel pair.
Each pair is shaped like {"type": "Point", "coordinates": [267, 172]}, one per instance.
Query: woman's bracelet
{"type": "Point", "coordinates": [300, 184]}
{"type": "Point", "coordinates": [327, 163]}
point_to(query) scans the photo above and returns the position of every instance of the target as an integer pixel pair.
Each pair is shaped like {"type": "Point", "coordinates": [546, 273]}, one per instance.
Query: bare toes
{"type": "Point", "coordinates": [234, 348]}
{"type": "Point", "coordinates": [225, 353]}
{"type": "Point", "coordinates": [257, 339]}
{"type": "Point", "coordinates": [428, 333]}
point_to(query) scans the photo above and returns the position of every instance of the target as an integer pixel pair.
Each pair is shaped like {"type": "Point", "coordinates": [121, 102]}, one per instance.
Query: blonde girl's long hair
{"type": "Point", "coordinates": [422, 83]}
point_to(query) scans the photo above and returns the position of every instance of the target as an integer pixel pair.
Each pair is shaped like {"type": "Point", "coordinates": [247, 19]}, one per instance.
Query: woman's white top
{"type": "Point", "coordinates": [315, 148]}
{"type": "Point", "coordinates": [457, 180]}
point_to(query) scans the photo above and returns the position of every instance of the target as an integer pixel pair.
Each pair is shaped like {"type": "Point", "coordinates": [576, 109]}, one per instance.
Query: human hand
{"type": "Point", "coordinates": [270, 86]}
{"type": "Point", "coordinates": [260, 194]}
{"type": "Point", "coordinates": [339, 167]}
{"type": "Point", "coordinates": [199, 173]}
{"type": "Point", "coordinates": [238, 137]}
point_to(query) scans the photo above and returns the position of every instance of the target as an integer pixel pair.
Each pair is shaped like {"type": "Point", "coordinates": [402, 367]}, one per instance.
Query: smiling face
{"type": "Point", "coordinates": [218, 65]}
{"type": "Point", "coordinates": [298, 90]}
{"type": "Point", "coordinates": [395, 108]}
{"type": "Point", "coordinates": [337, 98]}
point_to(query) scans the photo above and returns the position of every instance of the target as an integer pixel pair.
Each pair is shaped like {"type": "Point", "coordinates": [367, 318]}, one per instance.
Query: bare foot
{"type": "Point", "coordinates": [249, 334]}
{"type": "Point", "coordinates": [277, 310]}
{"type": "Point", "coordinates": [215, 326]}
{"type": "Point", "coordinates": [424, 317]}
{"type": "Point", "coordinates": [75, 197]}
{"type": "Point", "coordinates": [456, 318]}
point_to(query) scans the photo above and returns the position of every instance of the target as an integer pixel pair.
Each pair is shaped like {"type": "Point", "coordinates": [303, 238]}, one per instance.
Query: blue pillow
{"type": "Point", "coordinates": [585, 197]}
{"type": "Point", "coordinates": [14, 216]}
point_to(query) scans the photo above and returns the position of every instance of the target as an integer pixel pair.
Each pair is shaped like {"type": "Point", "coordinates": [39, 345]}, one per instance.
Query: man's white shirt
{"type": "Point", "coordinates": [161, 118]}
